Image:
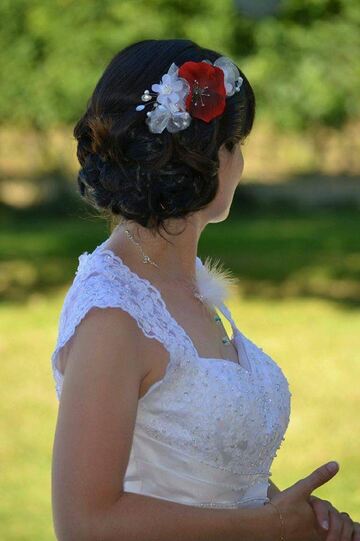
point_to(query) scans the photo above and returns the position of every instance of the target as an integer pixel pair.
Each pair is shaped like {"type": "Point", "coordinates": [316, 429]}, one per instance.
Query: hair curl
{"type": "Point", "coordinates": [131, 173]}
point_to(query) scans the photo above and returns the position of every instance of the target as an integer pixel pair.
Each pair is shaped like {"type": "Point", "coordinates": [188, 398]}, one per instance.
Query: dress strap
{"type": "Point", "coordinates": [225, 310]}
{"type": "Point", "coordinates": [102, 280]}
{"type": "Point", "coordinates": [237, 334]}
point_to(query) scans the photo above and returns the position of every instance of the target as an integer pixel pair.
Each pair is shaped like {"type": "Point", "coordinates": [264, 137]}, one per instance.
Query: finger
{"type": "Point", "coordinates": [356, 532]}
{"type": "Point", "coordinates": [336, 526]}
{"type": "Point", "coordinates": [321, 510]}
{"type": "Point", "coordinates": [348, 528]}
{"type": "Point", "coordinates": [317, 478]}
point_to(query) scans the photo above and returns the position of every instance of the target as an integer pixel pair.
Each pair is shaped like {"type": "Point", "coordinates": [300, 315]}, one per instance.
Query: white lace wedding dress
{"type": "Point", "coordinates": [207, 433]}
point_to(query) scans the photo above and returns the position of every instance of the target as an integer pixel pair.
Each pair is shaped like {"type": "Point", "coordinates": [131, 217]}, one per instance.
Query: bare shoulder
{"type": "Point", "coordinates": [96, 417]}
{"type": "Point", "coordinates": [106, 332]}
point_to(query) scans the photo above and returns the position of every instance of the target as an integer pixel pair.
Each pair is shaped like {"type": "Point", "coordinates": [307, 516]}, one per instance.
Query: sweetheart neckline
{"type": "Point", "coordinates": [222, 361]}
{"type": "Point", "coordinates": [237, 335]}
{"type": "Point", "coordinates": [236, 332]}
{"type": "Point", "coordinates": [213, 360]}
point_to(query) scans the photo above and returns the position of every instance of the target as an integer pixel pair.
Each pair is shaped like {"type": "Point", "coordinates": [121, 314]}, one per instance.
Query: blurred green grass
{"type": "Point", "coordinates": [276, 252]}
{"type": "Point", "coordinates": [297, 299]}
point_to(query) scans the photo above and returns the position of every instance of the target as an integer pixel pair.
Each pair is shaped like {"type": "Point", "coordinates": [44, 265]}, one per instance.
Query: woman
{"type": "Point", "coordinates": [167, 427]}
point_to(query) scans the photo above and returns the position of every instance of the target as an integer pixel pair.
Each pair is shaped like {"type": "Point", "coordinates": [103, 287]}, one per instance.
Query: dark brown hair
{"type": "Point", "coordinates": [129, 172]}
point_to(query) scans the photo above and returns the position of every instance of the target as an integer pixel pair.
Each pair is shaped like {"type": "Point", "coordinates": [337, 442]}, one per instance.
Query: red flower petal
{"type": "Point", "coordinates": [207, 96]}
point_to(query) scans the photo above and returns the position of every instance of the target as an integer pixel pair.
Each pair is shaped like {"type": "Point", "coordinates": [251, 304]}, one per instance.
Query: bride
{"type": "Point", "coordinates": [167, 427]}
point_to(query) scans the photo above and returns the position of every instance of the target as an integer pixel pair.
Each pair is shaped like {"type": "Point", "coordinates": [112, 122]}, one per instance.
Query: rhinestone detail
{"type": "Point", "coordinates": [216, 411]}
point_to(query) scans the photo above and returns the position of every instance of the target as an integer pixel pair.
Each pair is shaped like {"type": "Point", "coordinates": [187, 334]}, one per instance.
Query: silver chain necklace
{"type": "Point", "coordinates": [146, 259]}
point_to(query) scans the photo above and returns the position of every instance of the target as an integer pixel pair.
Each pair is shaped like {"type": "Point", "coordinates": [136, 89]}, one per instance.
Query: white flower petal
{"type": "Point", "coordinates": [231, 73]}
{"type": "Point", "coordinates": [177, 85]}
{"type": "Point", "coordinates": [228, 88]}
{"type": "Point", "coordinates": [167, 79]}
{"type": "Point", "coordinates": [185, 86]}
{"type": "Point", "coordinates": [173, 97]}
{"type": "Point", "coordinates": [173, 107]}
{"type": "Point", "coordinates": [178, 121]}
{"type": "Point", "coordinates": [163, 99]}
{"type": "Point", "coordinates": [173, 69]}
{"type": "Point", "coordinates": [158, 120]}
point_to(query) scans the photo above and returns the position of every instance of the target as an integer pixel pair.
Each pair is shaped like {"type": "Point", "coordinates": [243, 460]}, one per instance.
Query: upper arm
{"type": "Point", "coordinates": [96, 416]}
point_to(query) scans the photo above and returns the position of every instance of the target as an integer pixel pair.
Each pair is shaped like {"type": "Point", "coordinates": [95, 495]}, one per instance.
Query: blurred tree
{"type": "Point", "coordinates": [306, 69]}
{"type": "Point", "coordinates": [53, 52]}
{"type": "Point", "coordinates": [258, 9]}
{"type": "Point", "coordinates": [303, 59]}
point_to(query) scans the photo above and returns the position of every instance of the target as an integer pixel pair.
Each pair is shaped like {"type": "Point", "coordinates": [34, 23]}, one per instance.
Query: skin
{"type": "Point", "coordinates": [342, 526]}
{"type": "Point", "coordinates": [177, 261]}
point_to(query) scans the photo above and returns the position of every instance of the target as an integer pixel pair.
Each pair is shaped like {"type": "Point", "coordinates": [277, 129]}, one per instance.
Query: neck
{"type": "Point", "coordinates": [175, 254]}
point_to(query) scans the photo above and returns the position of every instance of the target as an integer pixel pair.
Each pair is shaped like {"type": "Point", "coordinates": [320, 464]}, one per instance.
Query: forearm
{"type": "Point", "coordinates": [272, 490]}
{"type": "Point", "coordinates": [136, 517]}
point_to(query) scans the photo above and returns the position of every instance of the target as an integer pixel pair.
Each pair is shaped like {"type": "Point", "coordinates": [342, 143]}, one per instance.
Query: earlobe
{"type": "Point", "coordinates": [224, 152]}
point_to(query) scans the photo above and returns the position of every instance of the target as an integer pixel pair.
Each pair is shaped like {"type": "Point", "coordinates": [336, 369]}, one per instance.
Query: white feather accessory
{"type": "Point", "coordinates": [214, 282]}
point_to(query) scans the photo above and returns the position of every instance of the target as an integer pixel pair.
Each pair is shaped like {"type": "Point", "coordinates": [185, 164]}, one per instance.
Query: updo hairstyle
{"type": "Point", "coordinates": [130, 173]}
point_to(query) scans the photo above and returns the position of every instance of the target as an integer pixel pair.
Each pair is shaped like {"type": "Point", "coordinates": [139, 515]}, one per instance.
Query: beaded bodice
{"type": "Point", "coordinates": [225, 419]}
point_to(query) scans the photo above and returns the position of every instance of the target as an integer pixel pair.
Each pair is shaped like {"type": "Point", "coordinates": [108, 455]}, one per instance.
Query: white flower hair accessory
{"type": "Point", "coordinates": [193, 90]}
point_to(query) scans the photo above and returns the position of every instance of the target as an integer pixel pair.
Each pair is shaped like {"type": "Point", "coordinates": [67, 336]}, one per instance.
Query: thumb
{"type": "Point", "coordinates": [317, 478]}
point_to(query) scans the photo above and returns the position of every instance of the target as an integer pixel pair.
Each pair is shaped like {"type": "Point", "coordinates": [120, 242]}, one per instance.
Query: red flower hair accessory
{"type": "Point", "coordinates": [206, 99]}
{"type": "Point", "coordinates": [195, 89]}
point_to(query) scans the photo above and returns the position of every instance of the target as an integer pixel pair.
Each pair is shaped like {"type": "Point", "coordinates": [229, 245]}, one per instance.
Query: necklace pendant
{"type": "Point", "coordinates": [146, 259]}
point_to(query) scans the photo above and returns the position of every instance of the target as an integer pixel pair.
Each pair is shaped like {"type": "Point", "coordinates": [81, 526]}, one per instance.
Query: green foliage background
{"type": "Point", "coordinates": [299, 273]}
{"type": "Point", "coordinates": [303, 60]}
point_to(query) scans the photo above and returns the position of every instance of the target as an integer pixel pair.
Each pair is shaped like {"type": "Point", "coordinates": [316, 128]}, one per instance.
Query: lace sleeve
{"type": "Point", "coordinates": [99, 286]}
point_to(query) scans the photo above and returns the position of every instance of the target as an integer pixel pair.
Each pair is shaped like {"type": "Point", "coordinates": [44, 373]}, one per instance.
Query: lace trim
{"type": "Point", "coordinates": [102, 285]}
{"type": "Point", "coordinates": [103, 280]}
{"type": "Point", "coordinates": [144, 285]}
{"type": "Point", "coordinates": [145, 282]}
{"type": "Point", "coordinates": [173, 336]}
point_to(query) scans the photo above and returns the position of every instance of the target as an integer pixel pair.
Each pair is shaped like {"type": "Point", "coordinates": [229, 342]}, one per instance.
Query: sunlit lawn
{"type": "Point", "coordinates": [296, 300]}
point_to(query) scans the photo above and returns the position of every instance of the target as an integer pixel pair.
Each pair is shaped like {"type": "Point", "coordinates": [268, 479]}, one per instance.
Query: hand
{"type": "Point", "coordinates": [298, 515]}
{"type": "Point", "coordinates": [340, 524]}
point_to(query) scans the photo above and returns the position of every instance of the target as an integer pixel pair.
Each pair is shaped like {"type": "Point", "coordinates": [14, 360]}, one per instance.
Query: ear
{"type": "Point", "coordinates": [223, 148]}
{"type": "Point", "coordinates": [224, 152]}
